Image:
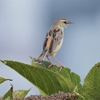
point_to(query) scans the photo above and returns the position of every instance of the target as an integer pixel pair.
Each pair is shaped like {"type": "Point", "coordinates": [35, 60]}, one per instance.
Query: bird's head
{"type": "Point", "coordinates": [62, 22]}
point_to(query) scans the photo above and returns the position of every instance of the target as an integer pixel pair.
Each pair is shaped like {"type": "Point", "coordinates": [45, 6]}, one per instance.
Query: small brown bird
{"type": "Point", "coordinates": [53, 41]}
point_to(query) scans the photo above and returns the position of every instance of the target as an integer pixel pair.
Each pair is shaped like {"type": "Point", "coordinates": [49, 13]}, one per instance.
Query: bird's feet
{"type": "Point", "coordinates": [51, 64]}
{"type": "Point", "coordinates": [61, 67]}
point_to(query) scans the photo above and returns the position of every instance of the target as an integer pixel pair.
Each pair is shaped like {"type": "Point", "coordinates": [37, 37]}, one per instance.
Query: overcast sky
{"type": "Point", "coordinates": [24, 24]}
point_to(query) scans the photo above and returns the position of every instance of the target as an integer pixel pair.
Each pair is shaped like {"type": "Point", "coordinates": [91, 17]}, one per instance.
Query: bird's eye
{"type": "Point", "coordinates": [65, 22]}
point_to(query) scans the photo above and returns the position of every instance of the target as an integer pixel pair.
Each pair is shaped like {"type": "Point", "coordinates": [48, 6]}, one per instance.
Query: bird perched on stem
{"type": "Point", "coordinates": [53, 41]}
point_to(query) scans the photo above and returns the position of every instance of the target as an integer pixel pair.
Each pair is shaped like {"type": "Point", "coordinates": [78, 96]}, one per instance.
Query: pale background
{"type": "Point", "coordinates": [24, 23]}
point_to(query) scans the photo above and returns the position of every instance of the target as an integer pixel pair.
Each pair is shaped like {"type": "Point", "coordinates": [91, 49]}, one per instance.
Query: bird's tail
{"type": "Point", "coordinates": [41, 57]}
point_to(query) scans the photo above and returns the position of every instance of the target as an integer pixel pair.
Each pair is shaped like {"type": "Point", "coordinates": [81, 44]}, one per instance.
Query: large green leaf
{"type": "Point", "coordinates": [4, 79]}
{"type": "Point", "coordinates": [46, 80]}
{"type": "Point", "coordinates": [65, 72]}
{"type": "Point", "coordinates": [91, 87]}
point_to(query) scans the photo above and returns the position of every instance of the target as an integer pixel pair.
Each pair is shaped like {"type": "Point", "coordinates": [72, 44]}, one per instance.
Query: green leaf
{"type": "Point", "coordinates": [65, 73]}
{"type": "Point", "coordinates": [91, 87]}
{"type": "Point", "coordinates": [46, 80]}
{"type": "Point", "coordinates": [4, 79]}
{"type": "Point", "coordinates": [9, 94]}
{"type": "Point", "coordinates": [20, 93]}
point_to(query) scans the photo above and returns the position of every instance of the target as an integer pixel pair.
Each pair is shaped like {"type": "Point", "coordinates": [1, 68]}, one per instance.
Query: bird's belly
{"type": "Point", "coordinates": [58, 46]}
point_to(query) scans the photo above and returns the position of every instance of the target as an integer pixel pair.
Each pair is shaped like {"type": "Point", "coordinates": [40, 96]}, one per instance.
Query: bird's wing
{"type": "Point", "coordinates": [47, 41]}
{"type": "Point", "coordinates": [52, 39]}
{"type": "Point", "coordinates": [57, 37]}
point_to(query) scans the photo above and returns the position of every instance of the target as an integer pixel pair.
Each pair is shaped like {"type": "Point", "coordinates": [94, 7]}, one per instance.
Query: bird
{"type": "Point", "coordinates": [53, 41]}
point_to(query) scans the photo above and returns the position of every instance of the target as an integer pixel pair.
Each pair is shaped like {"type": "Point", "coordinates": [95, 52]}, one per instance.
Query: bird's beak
{"type": "Point", "coordinates": [70, 22]}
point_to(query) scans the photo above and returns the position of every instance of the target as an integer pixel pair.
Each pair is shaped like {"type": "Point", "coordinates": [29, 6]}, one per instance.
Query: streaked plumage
{"type": "Point", "coordinates": [53, 40]}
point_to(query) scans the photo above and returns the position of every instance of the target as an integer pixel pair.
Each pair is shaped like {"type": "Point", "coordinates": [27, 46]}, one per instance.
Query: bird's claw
{"type": "Point", "coordinates": [61, 67]}
{"type": "Point", "coordinates": [52, 64]}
